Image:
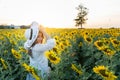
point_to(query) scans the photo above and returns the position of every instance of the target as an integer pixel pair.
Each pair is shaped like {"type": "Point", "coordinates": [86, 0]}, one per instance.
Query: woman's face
{"type": "Point", "coordinates": [40, 37]}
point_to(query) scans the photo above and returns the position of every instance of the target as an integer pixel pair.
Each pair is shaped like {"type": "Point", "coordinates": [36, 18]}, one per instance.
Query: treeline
{"type": "Point", "coordinates": [13, 27]}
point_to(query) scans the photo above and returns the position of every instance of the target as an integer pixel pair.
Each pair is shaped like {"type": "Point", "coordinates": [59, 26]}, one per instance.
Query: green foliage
{"type": "Point", "coordinates": [85, 57]}
{"type": "Point", "coordinates": [15, 70]}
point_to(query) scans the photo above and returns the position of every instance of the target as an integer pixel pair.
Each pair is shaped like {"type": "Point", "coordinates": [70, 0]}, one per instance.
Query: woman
{"type": "Point", "coordinates": [36, 49]}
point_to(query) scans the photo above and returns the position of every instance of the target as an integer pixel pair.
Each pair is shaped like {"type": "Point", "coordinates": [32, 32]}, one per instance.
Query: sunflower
{"type": "Point", "coordinates": [99, 70]}
{"type": "Point", "coordinates": [108, 51]}
{"type": "Point", "coordinates": [52, 57]}
{"type": "Point", "coordinates": [88, 39]}
{"type": "Point", "coordinates": [99, 44]}
{"type": "Point", "coordinates": [86, 33]}
{"type": "Point", "coordinates": [3, 62]}
{"type": "Point", "coordinates": [13, 42]}
{"type": "Point", "coordinates": [115, 42]}
{"type": "Point", "coordinates": [16, 54]}
{"type": "Point", "coordinates": [28, 68]}
{"type": "Point", "coordinates": [61, 45]}
{"type": "Point", "coordinates": [56, 37]}
{"type": "Point", "coordinates": [57, 42]}
{"type": "Point", "coordinates": [66, 43]}
{"type": "Point", "coordinates": [106, 41]}
{"type": "Point", "coordinates": [56, 50]}
{"type": "Point", "coordinates": [76, 69]}
{"type": "Point", "coordinates": [103, 71]}
{"type": "Point", "coordinates": [31, 70]}
{"type": "Point", "coordinates": [21, 49]}
{"type": "Point", "coordinates": [2, 38]}
{"type": "Point", "coordinates": [111, 76]}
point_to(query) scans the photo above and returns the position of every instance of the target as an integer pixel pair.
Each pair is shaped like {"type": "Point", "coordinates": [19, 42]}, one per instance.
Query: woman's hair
{"type": "Point", "coordinates": [30, 53]}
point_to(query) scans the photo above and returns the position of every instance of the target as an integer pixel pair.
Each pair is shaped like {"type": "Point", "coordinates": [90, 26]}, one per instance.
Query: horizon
{"type": "Point", "coordinates": [60, 13]}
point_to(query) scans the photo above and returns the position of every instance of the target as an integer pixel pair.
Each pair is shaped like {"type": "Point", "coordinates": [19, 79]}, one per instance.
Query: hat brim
{"type": "Point", "coordinates": [34, 34]}
{"type": "Point", "coordinates": [31, 34]}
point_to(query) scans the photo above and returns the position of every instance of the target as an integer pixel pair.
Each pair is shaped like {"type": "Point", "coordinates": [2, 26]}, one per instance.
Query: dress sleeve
{"type": "Point", "coordinates": [26, 45]}
{"type": "Point", "coordinates": [50, 43]}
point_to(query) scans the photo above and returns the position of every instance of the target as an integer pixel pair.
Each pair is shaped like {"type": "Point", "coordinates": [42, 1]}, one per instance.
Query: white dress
{"type": "Point", "coordinates": [38, 59]}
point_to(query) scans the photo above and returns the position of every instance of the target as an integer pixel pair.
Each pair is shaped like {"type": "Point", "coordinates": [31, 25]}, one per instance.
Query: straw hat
{"type": "Point", "coordinates": [32, 33]}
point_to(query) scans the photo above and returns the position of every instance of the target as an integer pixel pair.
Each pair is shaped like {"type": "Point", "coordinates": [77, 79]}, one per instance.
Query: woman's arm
{"type": "Point", "coordinates": [50, 42]}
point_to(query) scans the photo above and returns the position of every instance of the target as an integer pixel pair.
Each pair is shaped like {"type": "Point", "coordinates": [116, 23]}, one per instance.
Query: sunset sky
{"type": "Point", "coordinates": [59, 13]}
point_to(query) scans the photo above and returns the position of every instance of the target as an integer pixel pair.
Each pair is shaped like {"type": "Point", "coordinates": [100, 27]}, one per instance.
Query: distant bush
{"type": "Point", "coordinates": [13, 27]}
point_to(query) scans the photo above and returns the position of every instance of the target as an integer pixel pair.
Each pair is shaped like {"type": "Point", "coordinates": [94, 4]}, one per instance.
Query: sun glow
{"type": "Point", "coordinates": [59, 13]}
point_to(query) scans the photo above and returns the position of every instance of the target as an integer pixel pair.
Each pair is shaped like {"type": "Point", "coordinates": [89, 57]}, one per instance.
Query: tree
{"type": "Point", "coordinates": [81, 16]}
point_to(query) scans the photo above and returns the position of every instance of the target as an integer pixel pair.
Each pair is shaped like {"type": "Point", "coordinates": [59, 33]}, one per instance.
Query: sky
{"type": "Point", "coordinates": [60, 13]}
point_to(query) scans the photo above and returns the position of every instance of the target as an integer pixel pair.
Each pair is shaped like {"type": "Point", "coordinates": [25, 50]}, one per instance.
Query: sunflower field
{"type": "Point", "coordinates": [79, 54]}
